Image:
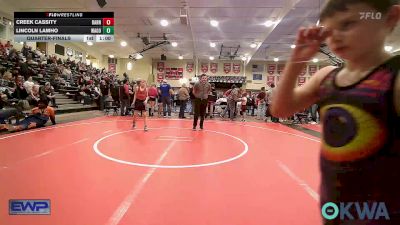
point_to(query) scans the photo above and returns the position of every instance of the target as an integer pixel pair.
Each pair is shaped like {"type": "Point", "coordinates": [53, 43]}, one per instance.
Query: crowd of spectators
{"type": "Point", "coordinates": [28, 76]}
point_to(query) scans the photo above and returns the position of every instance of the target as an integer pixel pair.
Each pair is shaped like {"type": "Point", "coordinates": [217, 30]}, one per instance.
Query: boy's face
{"type": "Point", "coordinates": [41, 105]}
{"type": "Point", "coordinates": [353, 34]}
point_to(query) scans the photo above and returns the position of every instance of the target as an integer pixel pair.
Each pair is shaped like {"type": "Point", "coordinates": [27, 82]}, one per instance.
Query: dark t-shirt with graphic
{"type": "Point", "coordinates": [360, 151]}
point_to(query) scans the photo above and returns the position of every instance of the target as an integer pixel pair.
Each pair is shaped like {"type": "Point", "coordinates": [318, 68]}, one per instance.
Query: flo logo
{"type": "Point", "coordinates": [355, 211]}
{"type": "Point", "coordinates": [370, 15]}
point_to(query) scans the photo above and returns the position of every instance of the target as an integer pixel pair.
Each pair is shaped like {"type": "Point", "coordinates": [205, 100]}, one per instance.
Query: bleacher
{"type": "Point", "coordinates": [65, 94]}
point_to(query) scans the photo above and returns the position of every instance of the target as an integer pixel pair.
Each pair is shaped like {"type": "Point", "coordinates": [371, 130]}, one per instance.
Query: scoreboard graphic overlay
{"type": "Point", "coordinates": [64, 26]}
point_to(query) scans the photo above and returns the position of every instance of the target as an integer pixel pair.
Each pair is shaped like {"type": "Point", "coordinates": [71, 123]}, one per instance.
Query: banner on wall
{"type": "Point", "coordinates": [204, 67]}
{"type": "Point", "coordinates": [236, 67]}
{"type": "Point", "coordinates": [271, 68]}
{"type": "Point", "coordinates": [112, 67]}
{"type": "Point", "coordinates": [312, 69]}
{"type": "Point", "coordinates": [173, 73]}
{"type": "Point", "coordinates": [257, 76]}
{"type": "Point", "coordinates": [227, 67]}
{"type": "Point", "coordinates": [304, 71]}
{"type": "Point", "coordinates": [190, 67]}
{"type": "Point", "coordinates": [213, 67]}
{"type": "Point", "coordinates": [160, 77]}
{"type": "Point", "coordinates": [281, 67]}
{"type": "Point", "coordinates": [270, 79]}
{"type": "Point", "coordinates": [160, 66]}
{"type": "Point", "coordinates": [301, 80]}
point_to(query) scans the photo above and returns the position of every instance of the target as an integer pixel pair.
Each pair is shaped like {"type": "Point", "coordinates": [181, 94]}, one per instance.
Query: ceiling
{"type": "Point", "coordinates": [241, 23]}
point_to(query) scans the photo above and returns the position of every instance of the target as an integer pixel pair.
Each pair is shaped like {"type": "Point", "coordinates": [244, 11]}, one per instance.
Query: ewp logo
{"type": "Point", "coordinates": [29, 207]}
{"type": "Point", "coordinates": [377, 211]}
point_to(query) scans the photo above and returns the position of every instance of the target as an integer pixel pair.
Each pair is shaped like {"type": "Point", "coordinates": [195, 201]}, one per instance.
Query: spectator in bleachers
{"type": "Point", "coordinates": [25, 50]}
{"type": "Point", "coordinates": [30, 61]}
{"type": "Point", "coordinates": [5, 111]}
{"type": "Point", "coordinates": [7, 75]}
{"type": "Point", "coordinates": [8, 45]}
{"type": "Point", "coordinates": [28, 84]}
{"type": "Point", "coordinates": [47, 92]}
{"type": "Point", "coordinates": [55, 81]}
{"type": "Point", "coordinates": [20, 92]}
{"type": "Point", "coordinates": [34, 96]}
{"type": "Point", "coordinates": [24, 69]}
{"type": "Point", "coordinates": [39, 117]}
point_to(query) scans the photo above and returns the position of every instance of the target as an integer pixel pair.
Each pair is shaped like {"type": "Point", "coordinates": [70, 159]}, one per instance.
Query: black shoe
{"type": "Point", "coordinates": [201, 127]}
{"type": "Point", "coordinates": [194, 129]}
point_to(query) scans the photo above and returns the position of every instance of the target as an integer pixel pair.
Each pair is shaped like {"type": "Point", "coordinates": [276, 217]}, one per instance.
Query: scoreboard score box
{"type": "Point", "coordinates": [64, 26]}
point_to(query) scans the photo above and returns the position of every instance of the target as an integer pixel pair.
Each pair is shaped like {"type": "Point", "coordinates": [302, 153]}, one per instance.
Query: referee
{"type": "Point", "coordinates": [200, 90]}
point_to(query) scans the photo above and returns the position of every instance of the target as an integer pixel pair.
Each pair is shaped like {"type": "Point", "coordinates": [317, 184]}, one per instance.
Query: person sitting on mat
{"type": "Point", "coordinates": [360, 105]}
{"type": "Point", "coordinates": [140, 103]}
{"type": "Point", "coordinates": [40, 116]}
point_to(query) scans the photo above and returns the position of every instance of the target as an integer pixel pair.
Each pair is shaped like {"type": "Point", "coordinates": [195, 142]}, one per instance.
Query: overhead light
{"type": "Point", "coordinates": [212, 44]}
{"type": "Point", "coordinates": [80, 55]}
{"type": "Point", "coordinates": [276, 59]}
{"type": "Point", "coordinates": [180, 57]}
{"type": "Point", "coordinates": [315, 60]}
{"type": "Point", "coordinates": [9, 23]}
{"type": "Point", "coordinates": [253, 45]}
{"type": "Point", "coordinates": [123, 43]}
{"type": "Point", "coordinates": [388, 48]}
{"type": "Point", "coordinates": [87, 62]}
{"type": "Point", "coordinates": [21, 42]}
{"type": "Point", "coordinates": [293, 46]}
{"type": "Point", "coordinates": [139, 56]}
{"type": "Point", "coordinates": [164, 23]}
{"type": "Point", "coordinates": [269, 23]}
{"type": "Point", "coordinates": [87, 55]}
{"type": "Point", "coordinates": [129, 66]}
{"type": "Point", "coordinates": [174, 44]}
{"type": "Point", "coordinates": [244, 58]}
{"type": "Point", "coordinates": [211, 57]}
{"type": "Point", "coordinates": [214, 23]}
{"type": "Point", "coordinates": [89, 43]}
{"type": "Point", "coordinates": [111, 56]}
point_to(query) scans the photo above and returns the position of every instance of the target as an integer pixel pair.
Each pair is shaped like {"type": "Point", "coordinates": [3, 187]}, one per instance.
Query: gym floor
{"type": "Point", "coordinates": [100, 171]}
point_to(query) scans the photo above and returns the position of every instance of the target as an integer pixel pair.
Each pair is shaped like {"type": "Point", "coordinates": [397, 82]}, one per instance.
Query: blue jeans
{"type": "Point", "coordinates": [166, 100]}
{"type": "Point", "coordinates": [38, 119]}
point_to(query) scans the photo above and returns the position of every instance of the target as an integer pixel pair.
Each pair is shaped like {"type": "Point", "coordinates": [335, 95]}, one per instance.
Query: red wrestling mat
{"type": "Point", "coordinates": [99, 171]}
{"type": "Point", "coordinates": [314, 127]}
